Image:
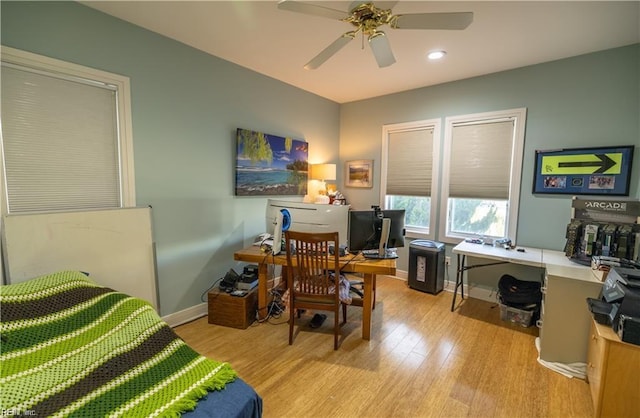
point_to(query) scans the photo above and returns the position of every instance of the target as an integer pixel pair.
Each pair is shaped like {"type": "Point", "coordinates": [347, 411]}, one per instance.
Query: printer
{"type": "Point", "coordinates": [619, 304]}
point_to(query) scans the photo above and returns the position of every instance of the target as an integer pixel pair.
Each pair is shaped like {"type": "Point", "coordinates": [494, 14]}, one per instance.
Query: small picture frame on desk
{"type": "Point", "coordinates": [359, 173]}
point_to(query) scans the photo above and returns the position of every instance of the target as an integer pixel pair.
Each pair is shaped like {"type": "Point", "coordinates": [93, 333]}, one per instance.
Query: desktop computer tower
{"type": "Point", "coordinates": [426, 266]}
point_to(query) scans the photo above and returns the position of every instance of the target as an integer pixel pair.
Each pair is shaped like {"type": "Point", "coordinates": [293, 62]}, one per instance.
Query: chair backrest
{"type": "Point", "coordinates": [312, 268]}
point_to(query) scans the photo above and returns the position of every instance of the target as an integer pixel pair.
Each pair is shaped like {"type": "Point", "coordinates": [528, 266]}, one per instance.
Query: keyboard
{"type": "Point", "coordinates": [373, 254]}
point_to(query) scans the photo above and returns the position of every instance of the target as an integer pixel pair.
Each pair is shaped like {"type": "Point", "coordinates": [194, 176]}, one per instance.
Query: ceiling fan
{"type": "Point", "coordinates": [367, 18]}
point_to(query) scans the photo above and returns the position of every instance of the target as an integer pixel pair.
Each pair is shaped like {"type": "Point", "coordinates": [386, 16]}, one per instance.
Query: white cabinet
{"type": "Point", "coordinates": [565, 317]}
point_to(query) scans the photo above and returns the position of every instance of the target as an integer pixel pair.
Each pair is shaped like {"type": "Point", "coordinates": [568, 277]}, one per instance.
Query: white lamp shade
{"type": "Point", "coordinates": [323, 172]}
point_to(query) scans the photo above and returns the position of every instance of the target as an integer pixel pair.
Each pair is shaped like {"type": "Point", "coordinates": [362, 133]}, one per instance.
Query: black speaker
{"type": "Point", "coordinates": [629, 329]}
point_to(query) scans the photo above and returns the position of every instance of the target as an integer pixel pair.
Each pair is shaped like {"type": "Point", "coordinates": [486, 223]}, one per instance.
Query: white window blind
{"type": "Point", "coordinates": [60, 141]}
{"type": "Point", "coordinates": [480, 165]}
{"type": "Point", "coordinates": [410, 162]}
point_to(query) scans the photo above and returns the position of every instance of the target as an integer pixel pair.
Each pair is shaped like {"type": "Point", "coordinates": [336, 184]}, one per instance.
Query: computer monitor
{"type": "Point", "coordinates": [376, 232]}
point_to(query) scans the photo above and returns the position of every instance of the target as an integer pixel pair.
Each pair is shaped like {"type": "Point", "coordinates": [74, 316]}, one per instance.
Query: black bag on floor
{"type": "Point", "coordinates": [519, 293]}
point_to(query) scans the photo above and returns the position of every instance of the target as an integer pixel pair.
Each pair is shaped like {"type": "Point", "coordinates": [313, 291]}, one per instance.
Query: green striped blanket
{"type": "Point", "coordinates": [73, 348]}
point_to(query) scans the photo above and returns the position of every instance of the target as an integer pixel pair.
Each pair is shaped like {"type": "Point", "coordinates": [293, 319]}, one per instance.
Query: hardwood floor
{"type": "Point", "coordinates": [422, 361]}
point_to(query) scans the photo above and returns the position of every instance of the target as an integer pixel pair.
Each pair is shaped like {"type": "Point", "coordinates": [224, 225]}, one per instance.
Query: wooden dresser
{"type": "Point", "coordinates": [613, 371]}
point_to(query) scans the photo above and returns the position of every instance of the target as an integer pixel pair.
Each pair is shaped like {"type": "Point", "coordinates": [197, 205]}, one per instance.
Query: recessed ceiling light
{"type": "Point", "coordinates": [436, 55]}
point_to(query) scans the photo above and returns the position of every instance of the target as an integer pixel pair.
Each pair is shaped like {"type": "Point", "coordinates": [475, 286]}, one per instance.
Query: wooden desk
{"type": "Point", "coordinates": [348, 264]}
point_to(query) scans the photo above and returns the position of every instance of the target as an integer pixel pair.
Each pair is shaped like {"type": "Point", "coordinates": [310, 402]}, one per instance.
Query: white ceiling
{"type": "Point", "coordinates": [277, 43]}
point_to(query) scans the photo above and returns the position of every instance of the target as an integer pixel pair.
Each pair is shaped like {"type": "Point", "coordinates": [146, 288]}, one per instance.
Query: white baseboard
{"type": "Point", "coordinates": [200, 310]}
{"type": "Point", "coordinates": [476, 292]}
{"type": "Point", "coordinates": [488, 295]}
{"type": "Point", "coordinates": [402, 274]}
{"type": "Point", "coordinates": [186, 315]}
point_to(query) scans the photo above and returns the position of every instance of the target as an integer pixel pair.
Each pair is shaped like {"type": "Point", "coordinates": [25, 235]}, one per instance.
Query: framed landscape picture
{"type": "Point", "coordinates": [270, 165]}
{"type": "Point", "coordinates": [584, 171]}
{"type": "Point", "coordinates": [359, 173]}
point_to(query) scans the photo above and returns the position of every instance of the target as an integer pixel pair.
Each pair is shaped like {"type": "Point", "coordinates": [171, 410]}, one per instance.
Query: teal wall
{"type": "Point", "coordinates": [584, 101]}
{"type": "Point", "coordinates": [186, 107]}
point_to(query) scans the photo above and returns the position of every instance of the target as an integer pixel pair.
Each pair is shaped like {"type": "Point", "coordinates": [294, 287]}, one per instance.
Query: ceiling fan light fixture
{"type": "Point", "coordinates": [381, 49]}
{"type": "Point", "coordinates": [436, 55]}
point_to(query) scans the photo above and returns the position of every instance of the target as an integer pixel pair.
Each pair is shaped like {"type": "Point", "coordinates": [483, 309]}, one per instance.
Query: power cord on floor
{"type": "Point", "coordinates": [275, 309]}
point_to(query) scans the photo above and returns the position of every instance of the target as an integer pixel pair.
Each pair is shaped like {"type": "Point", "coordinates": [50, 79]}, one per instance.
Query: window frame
{"type": "Point", "coordinates": [387, 130]}
{"type": "Point", "coordinates": [517, 157]}
{"type": "Point", "coordinates": [123, 103]}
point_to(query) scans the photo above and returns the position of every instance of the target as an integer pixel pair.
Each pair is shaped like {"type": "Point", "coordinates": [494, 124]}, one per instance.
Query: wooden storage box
{"type": "Point", "coordinates": [232, 311]}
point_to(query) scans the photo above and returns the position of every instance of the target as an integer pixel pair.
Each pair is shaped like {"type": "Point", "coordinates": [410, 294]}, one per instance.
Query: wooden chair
{"type": "Point", "coordinates": [313, 277]}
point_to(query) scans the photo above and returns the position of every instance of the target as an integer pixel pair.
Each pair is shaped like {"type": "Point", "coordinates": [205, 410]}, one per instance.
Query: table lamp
{"type": "Point", "coordinates": [323, 172]}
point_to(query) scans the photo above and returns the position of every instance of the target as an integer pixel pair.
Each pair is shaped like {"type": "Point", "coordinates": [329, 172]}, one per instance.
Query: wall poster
{"type": "Point", "coordinates": [584, 171]}
{"type": "Point", "coordinates": [270, 165]}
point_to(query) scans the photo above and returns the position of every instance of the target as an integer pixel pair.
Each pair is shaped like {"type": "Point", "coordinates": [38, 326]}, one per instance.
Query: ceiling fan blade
{"type": "Point", "coordinates": [381, 49]}
{"type": "Point", "coordinates": [311, 9]}
{"type": "Point", "coordinates": [446, 21]}
{"type": "Point", "coordinates": [329, 51]}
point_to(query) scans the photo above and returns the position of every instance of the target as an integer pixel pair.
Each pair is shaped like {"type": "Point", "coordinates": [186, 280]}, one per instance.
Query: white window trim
{"type": "Point", "coordinates": [519, 116]}
{"type": "Point", "coordinates": [125, 133]}
{"type": "Point", "coordinates": [389, 129]}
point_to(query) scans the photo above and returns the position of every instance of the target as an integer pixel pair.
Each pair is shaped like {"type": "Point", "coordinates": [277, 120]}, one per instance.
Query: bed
{"type": "Point", "coordinates": [71, 347]}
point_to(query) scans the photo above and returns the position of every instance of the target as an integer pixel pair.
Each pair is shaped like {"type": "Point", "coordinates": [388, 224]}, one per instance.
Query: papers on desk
{"type": "Point", "coordinates": [530, 256]}
{"type": "Point", "coordinates": [265, 239]}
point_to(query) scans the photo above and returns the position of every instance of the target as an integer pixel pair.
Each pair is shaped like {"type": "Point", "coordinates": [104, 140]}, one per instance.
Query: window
{"type": "Point", "coordinates": [409, 179]}
{"type": "Point", "coordinates": [66, 136]}
{"type": "Point", "coordinates": [481, 175]}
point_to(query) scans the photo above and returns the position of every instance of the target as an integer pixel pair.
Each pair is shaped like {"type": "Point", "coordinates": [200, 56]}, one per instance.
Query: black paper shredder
{"type": "Point", "coordinates": [426, 265]}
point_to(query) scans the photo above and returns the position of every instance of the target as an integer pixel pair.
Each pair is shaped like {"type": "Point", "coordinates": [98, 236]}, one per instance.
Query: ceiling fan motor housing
{"type": "Point", "coordinates": [367, 17]}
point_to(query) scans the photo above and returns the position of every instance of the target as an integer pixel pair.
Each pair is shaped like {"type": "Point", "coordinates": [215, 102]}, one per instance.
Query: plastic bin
{"type": "Point", "coordinates": [517, 316]}
{"type": "Point", "coordinates": [426, 266]}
